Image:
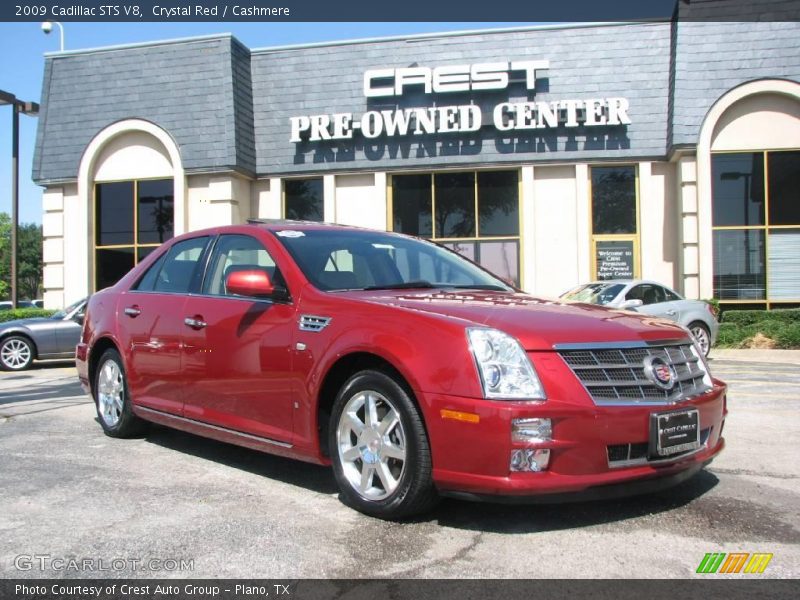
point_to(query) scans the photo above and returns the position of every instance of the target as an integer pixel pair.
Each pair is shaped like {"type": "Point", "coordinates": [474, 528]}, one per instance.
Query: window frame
{"type": "Point", "coordinates": [766, 227]}
{"type": "Point", "coordinates": [477, 238]}
{"type": "Point", "coordinates": [212, 252]}
{"type": "Point", "coordinates": [135, 246]}
{"type": "Point", "coordinates": [635, 238]}
{"type": "Point", "coordinates": [197, 275]}
{"type": "Point", "coordinates": [321, 178]}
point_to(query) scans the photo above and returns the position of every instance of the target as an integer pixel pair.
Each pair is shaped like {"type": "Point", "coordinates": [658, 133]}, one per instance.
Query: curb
{"type": "Point", "coordinates": [786, 357]}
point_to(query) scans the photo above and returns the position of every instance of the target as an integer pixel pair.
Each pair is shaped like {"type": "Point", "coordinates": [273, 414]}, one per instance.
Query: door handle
{"type": "Point", "coordinates": [671, 313]}
{"type": "Point", "coordinates": [133, 311]}
{"type": "Point", "coordinates": [195, 322]}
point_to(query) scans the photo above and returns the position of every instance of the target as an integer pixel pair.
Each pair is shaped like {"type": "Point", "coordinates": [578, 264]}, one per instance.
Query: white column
{"type": "Point", "coordinates": [528, 234]}
{"type": "Point", "coordinates": [53, 247]}
{"type": "Point", "coordinates": [689, 254]}
{"type": "Point", "coordinates": [582, 223]}
{"type": "Point", "coordinates": [329, 199]}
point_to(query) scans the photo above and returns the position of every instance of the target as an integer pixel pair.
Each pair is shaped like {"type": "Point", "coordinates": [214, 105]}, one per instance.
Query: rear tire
{"type": "Point", "coordinates": [702, 335]}
{"type": "Point", "coordinates": [379, 448]}
{"type": "Point", "coordinates": [16, 353]}
{"type": "Point", "coordinates": [112, 399]}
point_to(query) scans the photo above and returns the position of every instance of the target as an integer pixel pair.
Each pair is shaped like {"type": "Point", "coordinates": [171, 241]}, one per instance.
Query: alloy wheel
{"type": "Point", "coordinates": [15, 354]}
{"type": "Point", "coordinates": [701, 335]}
{"type": "Point", "coordinates": [110, 392]}
{"type": "Point", "coordinates": [371, 445]}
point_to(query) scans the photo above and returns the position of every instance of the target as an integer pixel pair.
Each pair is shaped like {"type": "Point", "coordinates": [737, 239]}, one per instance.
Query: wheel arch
{"type": "Point", "coordinates": [339, 372]}
{"type": "Point", "coordinates": [98, 349]}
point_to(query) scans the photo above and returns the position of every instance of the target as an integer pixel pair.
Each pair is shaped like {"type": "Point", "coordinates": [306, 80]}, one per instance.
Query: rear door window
{"type": "Point", "coordinates": [179, 270]}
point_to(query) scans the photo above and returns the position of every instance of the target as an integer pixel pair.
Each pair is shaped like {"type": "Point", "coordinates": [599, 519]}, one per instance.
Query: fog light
{"type": "Point", "coordinates": [531, 430]}
{"type": "Point", "coordinates": [530, 460]}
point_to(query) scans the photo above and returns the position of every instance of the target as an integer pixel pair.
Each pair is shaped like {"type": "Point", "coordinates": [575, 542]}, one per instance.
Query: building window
{"type": "Point", "coordinates": [303, 199]}
{"type": "Point", "coordinates": [131, 219]}
{"type": "Point", "coordinates": [615, 239]}
{"type": "Point", "coordinates": [756, 226]}
{"type": "Point", "coordinates": [476, 213]}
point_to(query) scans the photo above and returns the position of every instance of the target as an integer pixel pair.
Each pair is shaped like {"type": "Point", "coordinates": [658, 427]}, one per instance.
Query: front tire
{"type": "Point", "coordinates": [112, 399]}
{"type": "Point", "coordinates": [702, 335]}
{"type": "Point", "coordinates": [16, 353]}
{"type": "Point", "coordinates": [379, 448]}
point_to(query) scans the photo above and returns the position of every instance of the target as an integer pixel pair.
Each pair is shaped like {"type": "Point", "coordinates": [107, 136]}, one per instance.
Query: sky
{"type": "Point", "coordinates": [22, 48]}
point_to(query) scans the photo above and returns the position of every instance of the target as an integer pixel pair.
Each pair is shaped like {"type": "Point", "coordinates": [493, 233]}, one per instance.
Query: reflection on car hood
{"type": "Point", "coordinates": [24, 322]}
{"type": "Point", "coordinates": [537, 323]}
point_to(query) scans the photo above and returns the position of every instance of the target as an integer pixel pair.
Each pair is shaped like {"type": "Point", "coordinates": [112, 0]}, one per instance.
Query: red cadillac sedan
{"type": "Point", "coordinates": [411, 370]}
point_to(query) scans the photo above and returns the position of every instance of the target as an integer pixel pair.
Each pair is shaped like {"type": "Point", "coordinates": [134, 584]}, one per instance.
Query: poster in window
{"type": "Point", "coordinates": [614, 259]}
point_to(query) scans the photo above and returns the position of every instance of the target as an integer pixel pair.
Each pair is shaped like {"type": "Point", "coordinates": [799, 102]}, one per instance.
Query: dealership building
{"type": "Point", "coordinates": [551, 155]}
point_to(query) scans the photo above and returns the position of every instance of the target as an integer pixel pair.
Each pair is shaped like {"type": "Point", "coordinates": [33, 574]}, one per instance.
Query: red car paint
{"type": "Point", "coordinates": [253, 378]}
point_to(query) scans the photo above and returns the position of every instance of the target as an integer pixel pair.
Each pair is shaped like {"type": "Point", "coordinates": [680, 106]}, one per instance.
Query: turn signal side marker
{"type": "Point", "coordinates": [456, 415]}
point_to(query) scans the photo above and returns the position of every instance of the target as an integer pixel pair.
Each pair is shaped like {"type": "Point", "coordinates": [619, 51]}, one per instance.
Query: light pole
{"type": "Point", "coordinates": [26, 108]}
{"type": "Point", "coordinates": [47, 27]}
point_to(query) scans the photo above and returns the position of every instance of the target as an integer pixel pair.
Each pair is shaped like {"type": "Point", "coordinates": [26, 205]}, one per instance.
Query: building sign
{"type": "Point", "coordinates": [462, 118]}
{"type": "Point", "coordinates": [614, 259]}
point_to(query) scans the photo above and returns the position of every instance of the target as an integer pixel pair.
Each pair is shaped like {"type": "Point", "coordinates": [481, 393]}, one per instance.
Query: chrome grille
{"type": "Point", "coordinates": [313, 323]}
{"type": "Point", "coordinates": [616, 375]}
{"type": "Point", "coordinates": [628, 455]}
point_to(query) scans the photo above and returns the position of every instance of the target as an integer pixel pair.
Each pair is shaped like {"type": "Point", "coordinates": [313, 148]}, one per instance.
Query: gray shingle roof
{"type": "Point", "coordinates": [714, 58]}
{"type": "Point", "coordinates": [229, 108]}
{"type": "Point", "coordinates": [591, 62]}
{"type": "Point", "coordinates": [188, 88]}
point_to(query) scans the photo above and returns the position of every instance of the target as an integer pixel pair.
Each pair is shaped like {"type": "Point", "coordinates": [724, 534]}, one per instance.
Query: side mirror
{"type": "Point", "coordinates": [630, 304]}
{"type": "Point", "coordinates": [78, 317]}
{"type": "Point", "coordinates": [253, 283]}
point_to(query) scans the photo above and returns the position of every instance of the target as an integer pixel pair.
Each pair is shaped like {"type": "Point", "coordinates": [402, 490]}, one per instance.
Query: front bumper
{"type": "Point", "coordinates": [472, 457]}
{"type": "Point", "coordinates": [609, 491]}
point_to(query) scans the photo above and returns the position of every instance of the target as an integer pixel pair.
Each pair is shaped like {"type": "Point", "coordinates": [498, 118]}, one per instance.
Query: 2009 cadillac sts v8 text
{"type": "Point", "coordinates": [410, 369]}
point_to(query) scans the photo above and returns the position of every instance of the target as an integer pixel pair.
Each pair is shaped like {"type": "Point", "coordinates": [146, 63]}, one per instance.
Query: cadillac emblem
{"type": "Point", "coordinates": [659, 372]}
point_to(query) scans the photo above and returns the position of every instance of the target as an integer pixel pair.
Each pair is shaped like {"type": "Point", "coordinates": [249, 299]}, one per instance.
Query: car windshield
{"type": "Point", "coordinates": [594, 293]}
{"type": "Point", "coordinates": [336, 260]}
{"type": "Point", "coordinates": [69, 310]}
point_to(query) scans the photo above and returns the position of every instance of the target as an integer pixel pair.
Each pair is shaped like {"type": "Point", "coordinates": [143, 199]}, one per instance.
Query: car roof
{"type": "Point", "coordinates": [628, 282]}
{"type": "Point", "coordinates": [278, 224]}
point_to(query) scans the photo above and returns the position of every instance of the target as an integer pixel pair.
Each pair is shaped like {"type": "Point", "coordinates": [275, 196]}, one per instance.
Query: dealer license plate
{"type": "Point", "coordinates": [674, 432]}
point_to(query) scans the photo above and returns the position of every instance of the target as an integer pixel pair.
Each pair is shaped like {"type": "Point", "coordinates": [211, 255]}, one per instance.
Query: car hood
{"type": "Point", "coordinates": [24, 322]}
{"type": "Point", "coordinates": [538, 324]}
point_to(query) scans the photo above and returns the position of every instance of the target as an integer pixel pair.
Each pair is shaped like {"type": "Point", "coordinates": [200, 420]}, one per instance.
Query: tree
{"type": "Point", "coordinates": [29, 277]}
{"type": "Point", "coordinates": [29, 259]}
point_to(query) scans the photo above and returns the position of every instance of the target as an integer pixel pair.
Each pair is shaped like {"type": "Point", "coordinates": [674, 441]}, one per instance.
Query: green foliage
{"type": "Point", "coordinates": [751, 317]}
{"type": "Point", "coordinates": [23, 313]}
{"type": "Point", "coordinates": [29, 259]}
{"type": "Point", "coordinates": [739, 327]}
{"type": "Point", "coordinates": [789, 337]}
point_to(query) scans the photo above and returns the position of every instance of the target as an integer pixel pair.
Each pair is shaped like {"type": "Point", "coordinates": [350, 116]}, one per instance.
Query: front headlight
{"type": "Point", "coordinates": [504, 368]}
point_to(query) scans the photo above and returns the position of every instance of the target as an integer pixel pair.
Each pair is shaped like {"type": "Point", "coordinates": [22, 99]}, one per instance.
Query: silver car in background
{"type": "Point", "coordinates": [24, 340]}
{"type": "Point", "coordinates": [651, 298]}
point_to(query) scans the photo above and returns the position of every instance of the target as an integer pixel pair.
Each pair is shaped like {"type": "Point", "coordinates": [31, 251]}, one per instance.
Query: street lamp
{"type": "Point", "coordinates": [47, 27]}
{"type": "Point", "coordinates": [26, 108]}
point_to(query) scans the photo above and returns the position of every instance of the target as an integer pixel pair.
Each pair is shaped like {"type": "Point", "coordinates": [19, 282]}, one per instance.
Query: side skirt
{"type": "Point", "coordinates": [222, 434]}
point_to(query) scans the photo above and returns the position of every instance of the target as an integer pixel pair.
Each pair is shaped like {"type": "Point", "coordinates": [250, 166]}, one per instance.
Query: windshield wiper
{"type": "Point", "coordinates": [403, 285]}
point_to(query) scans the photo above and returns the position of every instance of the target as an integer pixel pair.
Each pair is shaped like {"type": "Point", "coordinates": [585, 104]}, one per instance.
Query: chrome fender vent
{"type": "Point", "coordinates": [313, 323]}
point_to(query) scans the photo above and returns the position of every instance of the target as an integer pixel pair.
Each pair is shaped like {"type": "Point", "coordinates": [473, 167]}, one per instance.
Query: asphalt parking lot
{"type": "Point", "coordinates": [69, 492]}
